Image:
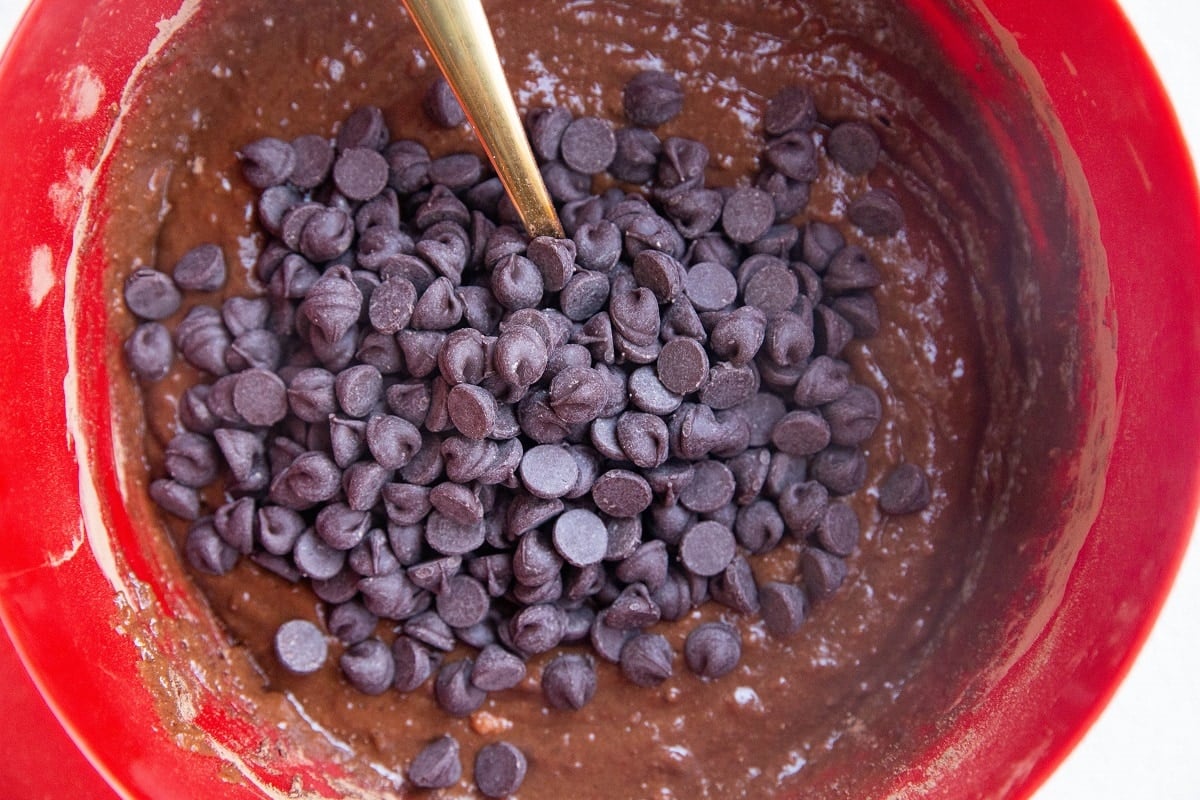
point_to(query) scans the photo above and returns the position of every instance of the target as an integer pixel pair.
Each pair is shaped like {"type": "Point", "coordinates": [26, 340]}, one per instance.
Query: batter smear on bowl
{"type": "Point", "coordinates": [482, 511]}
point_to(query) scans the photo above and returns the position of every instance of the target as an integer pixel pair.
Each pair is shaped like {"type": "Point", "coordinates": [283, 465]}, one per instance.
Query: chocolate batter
{"type": "Point", "coordinates": [797, 715]}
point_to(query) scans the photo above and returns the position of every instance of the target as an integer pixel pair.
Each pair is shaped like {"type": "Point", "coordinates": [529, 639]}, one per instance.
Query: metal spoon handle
{"type": "Point", "coordinates": [458, 35]}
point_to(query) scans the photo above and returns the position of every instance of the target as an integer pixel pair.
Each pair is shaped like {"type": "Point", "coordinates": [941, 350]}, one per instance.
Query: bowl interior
{"type": "Point", "coordinates": [1032, 627]}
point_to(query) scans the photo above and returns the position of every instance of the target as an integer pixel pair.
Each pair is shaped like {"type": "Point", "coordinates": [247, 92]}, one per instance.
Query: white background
{"type": "Point", "coordinates": [1144, 745]}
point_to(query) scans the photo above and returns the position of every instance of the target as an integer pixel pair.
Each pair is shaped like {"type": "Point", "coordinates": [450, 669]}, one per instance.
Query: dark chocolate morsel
{"type": "Point", "coordinates": [784, 607]}
{"type": "Point", "coordinates": [651, 98]}
{"type": "Point", "coordinates": [499, 769]}
{"type": "Point", "coordinates": [646, 659]}
{"type": "Point", "coordinates": [569, 681]}
{"type": "Point", "coordinates": [368, 666]}
{"type": "Point", "coordinates": [300, 647]}
{"type": "Point", "coordinates": [437, 766]}
{"type": "Point", "coordinates": [454, 691]}
{"type": "Point", "coordinates": [905, 490]}
{"type": "Point", "coordinates": [713, 649]}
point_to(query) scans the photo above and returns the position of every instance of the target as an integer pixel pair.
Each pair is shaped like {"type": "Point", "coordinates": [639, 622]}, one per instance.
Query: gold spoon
{"type": "Point", "coordinates": [458, 35]}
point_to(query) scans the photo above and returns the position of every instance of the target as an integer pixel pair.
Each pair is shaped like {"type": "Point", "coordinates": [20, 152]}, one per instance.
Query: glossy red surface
{"type": "Point", "coordinates": [56, 592]}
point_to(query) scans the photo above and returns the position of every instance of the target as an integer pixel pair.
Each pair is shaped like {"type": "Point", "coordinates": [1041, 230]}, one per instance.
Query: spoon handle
{"type": "Point", "coordinates": [458, 35]}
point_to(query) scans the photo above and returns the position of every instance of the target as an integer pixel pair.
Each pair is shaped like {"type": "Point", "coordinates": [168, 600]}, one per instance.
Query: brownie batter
{"type": "Point", "coordinates": [951, 364]}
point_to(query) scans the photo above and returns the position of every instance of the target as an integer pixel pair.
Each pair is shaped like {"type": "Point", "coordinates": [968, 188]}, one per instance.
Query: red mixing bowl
{"type": "Point", "coordinates": [68, 557]}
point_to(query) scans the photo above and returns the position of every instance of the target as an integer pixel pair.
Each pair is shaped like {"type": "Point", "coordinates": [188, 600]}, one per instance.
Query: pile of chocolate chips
{"type": "Point", "coordinates": [514, 445]}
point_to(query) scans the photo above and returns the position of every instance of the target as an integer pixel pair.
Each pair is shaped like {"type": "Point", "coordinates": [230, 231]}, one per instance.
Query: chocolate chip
{"type": "Point", "coordinates": [546, 127]}
{"type": "Point", "coordinates": [621, 493]}
{"type": "Point", "coordinates": [853, 146]}
{"type": "Point", "coordinates": [496, 669]}
{"type": "Point", "coordinates": [454, 691]}
{"type": "Point", "coordinates": [713, 649]}
{"type": "Point", "coordinates": [876, 213]}
{"type": "Point", "coordinates": [843, 470]}
{"type": "Point", "coordinates": [472, 409]}
{"type": "Point", "coordinates": [442, 106]}
{"type": "Point", "coordinates": [646, 659]}
{"type": "Point", "coordinates": [499, 769]}
{"type": "Point", "coordinates": [710, 286]}
{"type": "Point", "coordinates": [580, 537]}
{"type": "Point", "coordinates": [201, 269]}
{"type": "Point", "coordinates": [452, 538]}
{"type": "Point", "coordinates": [464, 602]}
{"type": "Point", "coordinates": [707, 548]}
{"type": "Point", "coordinates": [537, 628]}
{"type": "Point", "coordinates": [838, 529]}
{"type": "Point", "coordinates": [905, 490]}
{"type": "Point", "coordinates": [682, 163]}
{"type": "Point", "coordinates": [643, 438]}
{"type": "Point", "coordinates": [437, 766]}
{"type": "Point", "coordinates": [794, 155]}
{"type": "Point", "coordinates": [151, 294]}
{"type": "Point", "coordinates": [636, 157]}
{"type": "Point", "coordinates": [711, 487]}
{"type": "Point", "coordinates": [651, 98]}
{"type": "Point", "coordinates": [391, 305]}
{"type": "Point", "coordinates": [854, 416]}
{"type": "Point", "coordinates": [682, 366]}
{"type": "Point", "coordinates": [578, 394]}
{"type": "Point", "coordinates": [517, 282]}
{"type": "Point", "coordinates": [413, 664]}
{"type": "Point", "coordinates": [434, 575]}
{"type": "Point", "coordinates": [597, 245]}
{"type": "Point", "coordinates": [260, 397]}
{"type": "Point", "coordinates": [759, 526]}
{"type": "Point", "coordinates": [588, 145]}
{"type": "Point", "coordinates": [300, 647]}
{"type": "Point", "coordinates": [569, 681]}
{"type": "Point", "coordinates": [735, 587]}
{"type": "Point", "coordinates": [791, 108]}
{"type": "Point", "coordinates": [175, 498]}
{"type": "Point", "coordinates": [584, 294]}
{"type": "Point", "coordinates": [206, 551]}
{"type": "Point", "coordinates": [850, 269]}
{"type": "Point", "coordinates": [747, 215]}
{"type": "Point", "coordinates": [861, 311]}
{"type": "Point", "coordinates": [647, 564]}
{"type": "Point", "coordinates": [729, 385]}
{"type": "Point", "coordinates": [352, 623]}
{"type": "Point", "coordinates": [368, 666]}
{"type": "Point", "coordinates": [802, 506]}
{"type": "Point", "coordinates": [555, 259]}
{"type": "Point", "coordinates": [149, 351]}
{"type": "Point", "coordinates": [784, 607]}
{"type": "Point", "coordinates": [438, 308]}
{"type": "Point", "coordinates": [823, 381]}
{"type": "Point", "coordinates": [267, 162]}
{"type": "Point", "coordinates": [823, 572]}
{"type": "Point", "coordinates": [191, 459]}
{"type": "Point", "coordinates": [548, 471]}
{"type": "Point", "coordinates": [801, 433]}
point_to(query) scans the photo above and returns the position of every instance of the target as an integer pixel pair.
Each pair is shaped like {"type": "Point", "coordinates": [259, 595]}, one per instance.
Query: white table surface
{"type": "Point", "coordinates": [1145, 745]}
